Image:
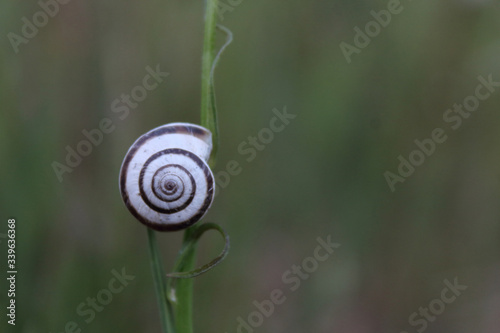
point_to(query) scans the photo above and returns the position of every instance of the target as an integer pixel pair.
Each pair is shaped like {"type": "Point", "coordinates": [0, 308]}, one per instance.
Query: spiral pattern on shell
{"type": "Point", "coordinates": [165, 180]}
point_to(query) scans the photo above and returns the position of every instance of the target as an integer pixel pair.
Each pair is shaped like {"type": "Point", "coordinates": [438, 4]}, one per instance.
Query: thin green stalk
{"type": "Point", "coordinates": [166, 313]}
{"type": "Point", "coordinates": [179, 284]}
{"type": "Point", "coordinates": [208, 112]}
{"type": "Point", "coordinates": [184, 287]}
{"type": "Point", "coordinates": [175, 294]}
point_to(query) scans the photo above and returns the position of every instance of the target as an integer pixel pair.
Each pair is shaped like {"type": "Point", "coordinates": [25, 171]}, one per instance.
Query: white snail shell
{"type": "Point", "coordinates": [165, 180]}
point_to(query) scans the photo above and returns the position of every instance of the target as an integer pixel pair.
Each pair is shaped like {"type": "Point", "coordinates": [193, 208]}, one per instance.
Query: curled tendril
{"type": "Point", "coordinates": [229, 39]}
{"type": "Point", "coordinates": [190, 241]}
{"type": "Point", "coordinates": [212, 103]}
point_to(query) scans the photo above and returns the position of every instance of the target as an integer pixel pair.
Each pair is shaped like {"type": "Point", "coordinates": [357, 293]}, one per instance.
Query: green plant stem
{"type": "Point", "coordinates": [175, 296]}
{"type": "Point", "coordinates": [183, 288]}
{"type": "Point", "coordinates": [208, 113]}
{"type": "Point", "coordinates": [180, 284]}
{"type": "Point", "coordinates": [166, 311]}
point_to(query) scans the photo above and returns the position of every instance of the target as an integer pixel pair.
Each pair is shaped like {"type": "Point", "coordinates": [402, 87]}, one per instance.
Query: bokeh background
{"type": "Point", "coordinates": [323, 175]}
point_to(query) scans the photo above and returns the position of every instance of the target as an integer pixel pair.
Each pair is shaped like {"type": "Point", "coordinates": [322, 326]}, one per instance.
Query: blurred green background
{"type": "Point", "coordinates": [323, 175]}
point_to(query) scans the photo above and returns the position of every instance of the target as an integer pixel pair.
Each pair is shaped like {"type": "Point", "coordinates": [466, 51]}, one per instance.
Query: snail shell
{"type": "Point", "coordinates": [165, 180]}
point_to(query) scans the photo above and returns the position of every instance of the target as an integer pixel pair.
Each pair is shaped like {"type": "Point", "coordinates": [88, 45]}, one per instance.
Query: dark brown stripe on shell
{"type": "Point", "coordinates": [177, 129]}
